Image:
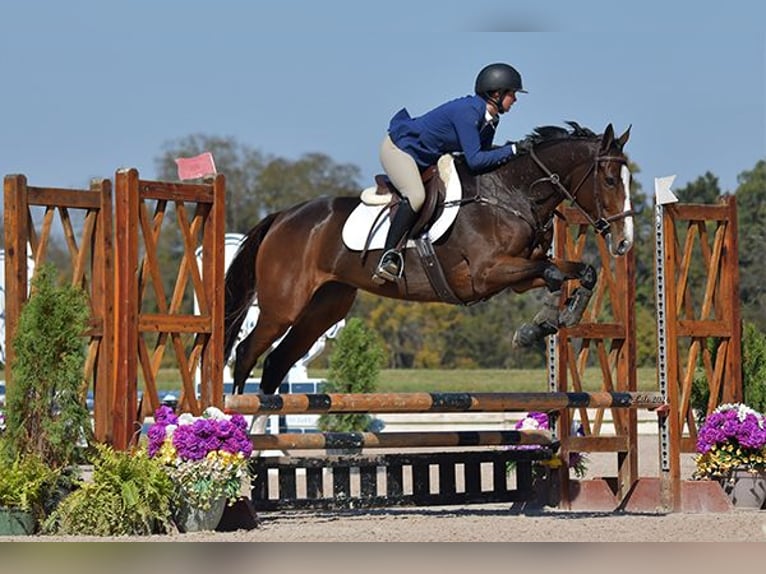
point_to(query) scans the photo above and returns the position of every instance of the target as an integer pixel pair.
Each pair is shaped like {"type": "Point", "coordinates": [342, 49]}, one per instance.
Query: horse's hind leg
{"type": "Point", "coordinates": [551, 316]}
{"type": "Point", "coordinates": [330, 304]}
{"type": "Point", "coordinates": [253, 346]}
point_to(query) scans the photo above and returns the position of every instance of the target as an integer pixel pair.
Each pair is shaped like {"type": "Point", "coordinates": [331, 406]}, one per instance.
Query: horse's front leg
{"type": "Point", "coordinates": [551, 317]}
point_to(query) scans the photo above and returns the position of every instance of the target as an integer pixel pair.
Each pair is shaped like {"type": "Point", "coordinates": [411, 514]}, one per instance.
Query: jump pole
{"type": "Point", "coordinates": [357, 440]}
{"type": "Point", "coordinates": [421, 402]}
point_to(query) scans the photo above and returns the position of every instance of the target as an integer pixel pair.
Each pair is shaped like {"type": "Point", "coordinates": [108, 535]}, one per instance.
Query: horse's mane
{"type": "Point", "coordinates": [543, 134]}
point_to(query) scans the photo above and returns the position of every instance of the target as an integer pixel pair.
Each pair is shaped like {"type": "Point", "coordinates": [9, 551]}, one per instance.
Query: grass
{"type": "Point", "coordinates": [448, 380]}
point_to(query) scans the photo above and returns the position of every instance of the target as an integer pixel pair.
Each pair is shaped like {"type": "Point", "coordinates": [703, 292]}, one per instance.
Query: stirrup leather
{"type": "Point", "coordinates": [391, 266]}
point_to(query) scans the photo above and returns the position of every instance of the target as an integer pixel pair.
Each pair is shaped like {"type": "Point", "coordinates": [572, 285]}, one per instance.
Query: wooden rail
{"type": "Point", "coordinates": [435, 402]}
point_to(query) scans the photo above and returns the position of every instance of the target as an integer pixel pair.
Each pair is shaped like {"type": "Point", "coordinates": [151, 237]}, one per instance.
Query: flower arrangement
{"type": "Point", "coordinates": [206, 456]}
{"type": "Point", "coordinates": [578, 463]}
{"type": "Point", "coordinates": [732, 437]}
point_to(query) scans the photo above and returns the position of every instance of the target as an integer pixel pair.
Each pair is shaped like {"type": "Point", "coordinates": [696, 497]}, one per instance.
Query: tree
{"type": "Point", "coordinates": [355, 363]}
{"type": "Point", "coordinates": [751, 219]}
{"type": "Point", "coordinates": [257, 183]}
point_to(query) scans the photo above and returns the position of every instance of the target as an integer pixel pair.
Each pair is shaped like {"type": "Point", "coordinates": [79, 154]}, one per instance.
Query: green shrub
{"type": "Point", "coordinates": [45, 412]}
{"type": "Point", "coordinates": [26, 482]}
{"type": "Point", "coordinates": [753, 374]}
{"type": "Point", "coordinates": [754, 367]}
{"type": "Point", "coordinates": [130, 494]}
{"type": "Point", "coordinates": [355, 362]}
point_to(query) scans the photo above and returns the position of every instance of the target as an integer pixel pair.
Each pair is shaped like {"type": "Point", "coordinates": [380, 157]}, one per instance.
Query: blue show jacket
{"type": "Point", "coordinates": [455, 126]}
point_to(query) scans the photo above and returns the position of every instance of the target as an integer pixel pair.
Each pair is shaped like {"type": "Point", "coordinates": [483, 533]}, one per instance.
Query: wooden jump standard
{"type": "Point", "coordinates": [253, 404]}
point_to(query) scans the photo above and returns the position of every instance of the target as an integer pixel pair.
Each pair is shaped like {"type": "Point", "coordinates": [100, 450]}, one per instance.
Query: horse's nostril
{"type": "Point", "coordinates": [623, 247]}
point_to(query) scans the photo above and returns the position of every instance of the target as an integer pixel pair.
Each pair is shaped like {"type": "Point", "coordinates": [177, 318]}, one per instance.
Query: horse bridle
{"type": "Point", "coordinates": [601, 224]}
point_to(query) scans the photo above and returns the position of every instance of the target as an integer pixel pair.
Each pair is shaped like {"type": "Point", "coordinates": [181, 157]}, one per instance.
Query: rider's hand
{"type": "Point", "coordinates": [521, 146]}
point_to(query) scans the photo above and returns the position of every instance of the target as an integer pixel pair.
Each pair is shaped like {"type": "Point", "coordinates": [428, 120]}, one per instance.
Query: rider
{"type": "Point", "coordinates": [464, 125]}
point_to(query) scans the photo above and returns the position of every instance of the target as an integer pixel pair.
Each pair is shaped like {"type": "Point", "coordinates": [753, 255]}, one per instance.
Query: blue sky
{"type": "Point", "coordinates": [88, 87]}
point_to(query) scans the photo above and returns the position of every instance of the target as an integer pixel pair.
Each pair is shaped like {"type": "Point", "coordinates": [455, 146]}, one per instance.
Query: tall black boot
{"type": "Point", "coordinates": [391, 264]}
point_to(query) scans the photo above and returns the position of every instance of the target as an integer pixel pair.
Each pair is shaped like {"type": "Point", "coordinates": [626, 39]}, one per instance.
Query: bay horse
{"type": "Point", "coordinates": [305, 278]}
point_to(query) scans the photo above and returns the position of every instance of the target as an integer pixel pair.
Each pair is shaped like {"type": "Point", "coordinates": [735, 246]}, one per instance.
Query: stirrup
{"type": "Point", "coordinates": [390, 267]}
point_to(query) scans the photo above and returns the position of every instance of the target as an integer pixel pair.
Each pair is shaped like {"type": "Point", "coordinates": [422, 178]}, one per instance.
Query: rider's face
{"type": "Point", "coordinates": [508, 100]}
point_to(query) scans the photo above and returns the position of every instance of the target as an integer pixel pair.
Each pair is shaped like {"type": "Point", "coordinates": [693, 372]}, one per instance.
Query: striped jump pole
{"type": "Point", "coordinates": [254, 404]}
{"type": "Point", "coordinates": [355, 440]}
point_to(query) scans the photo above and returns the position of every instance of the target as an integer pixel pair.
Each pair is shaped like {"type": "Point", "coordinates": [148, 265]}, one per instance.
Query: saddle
{"type": "Point", "coordinates": [385, 192]}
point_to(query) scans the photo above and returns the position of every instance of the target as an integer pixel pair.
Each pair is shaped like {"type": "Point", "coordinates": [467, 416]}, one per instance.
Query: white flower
{"type": "Point", "coordinates": [742, 412]}
{"type": "Point", "coordinates": [529, 423]}
{"type": "Point", "coordinates": [216, 414]}
{"type": "Point", "coordinates": [186, 419]}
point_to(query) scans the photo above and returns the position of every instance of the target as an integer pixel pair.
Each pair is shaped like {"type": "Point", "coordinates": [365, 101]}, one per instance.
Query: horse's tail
{"type": "Point", "coordinates": [240, 284]}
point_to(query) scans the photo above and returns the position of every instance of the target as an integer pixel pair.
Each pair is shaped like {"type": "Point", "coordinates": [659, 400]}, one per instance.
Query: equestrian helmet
{"type": "Point", "coordinates": [500, 77]}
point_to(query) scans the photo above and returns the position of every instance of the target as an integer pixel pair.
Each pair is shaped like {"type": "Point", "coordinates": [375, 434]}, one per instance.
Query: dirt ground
{"type": "Point", "coordinates": [489, 523]}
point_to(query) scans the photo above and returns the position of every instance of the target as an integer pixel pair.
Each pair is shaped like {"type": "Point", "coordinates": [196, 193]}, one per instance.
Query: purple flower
{"type": "Point", "coordinates": [194, 438]}
{"type": "Point", "coordinates": [156, 436]}
{"type": "Point", "coordinates": [733, 425]}
{"type": "Point", "coordinates": [165, 416]}
{"type": "Point", "coordinates": [533, 420]}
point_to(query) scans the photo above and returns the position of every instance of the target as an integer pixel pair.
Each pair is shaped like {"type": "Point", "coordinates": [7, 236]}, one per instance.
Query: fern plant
{"type": "Point", "coordinates": [129, 494]}
{"type": "Point", "coordinates": [26, 482]}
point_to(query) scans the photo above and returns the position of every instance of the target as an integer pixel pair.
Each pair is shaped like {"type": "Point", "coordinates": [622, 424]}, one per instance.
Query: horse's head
{"type": "Point", "coordinates": [592, 172]}
{"type": "Point", "coordinates": [612, 208]}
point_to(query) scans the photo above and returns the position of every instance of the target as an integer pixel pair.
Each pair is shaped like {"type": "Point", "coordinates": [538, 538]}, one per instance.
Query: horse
{"type": "Point", "coordinates": [305, 279]}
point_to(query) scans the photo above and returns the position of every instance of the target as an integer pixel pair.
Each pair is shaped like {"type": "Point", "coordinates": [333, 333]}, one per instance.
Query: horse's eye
{"type": "Point", "coordinates": [610, 181]}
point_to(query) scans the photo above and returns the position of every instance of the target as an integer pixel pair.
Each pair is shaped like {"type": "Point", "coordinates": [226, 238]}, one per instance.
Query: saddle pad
{"type": "Point", "coordinates": [361, 220]}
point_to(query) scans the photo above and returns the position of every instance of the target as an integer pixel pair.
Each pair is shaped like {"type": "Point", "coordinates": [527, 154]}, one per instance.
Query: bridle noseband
{"type": "Point", "coordinates": [601, 224]}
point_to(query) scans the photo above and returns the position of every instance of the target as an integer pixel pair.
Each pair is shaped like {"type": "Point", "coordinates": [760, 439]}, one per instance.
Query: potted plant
{"type": "Point", "coordinates": [26, 485]}
{"type": "Point", "coordinates": [206, 458]}
{"type": "Point", "coordinates": [731, 448]}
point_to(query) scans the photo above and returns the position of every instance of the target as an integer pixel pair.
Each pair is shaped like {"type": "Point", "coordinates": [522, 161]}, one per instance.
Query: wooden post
{"type": "Point", "coordinates": [732, 388]}
{"type": "Point", "coordinates": [124, 405]}
{"type": "Point", "coordinates": [16, 279]}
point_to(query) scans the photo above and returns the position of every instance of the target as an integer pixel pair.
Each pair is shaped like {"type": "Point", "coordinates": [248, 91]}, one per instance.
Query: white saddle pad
{"type": "Point", "coordinates": [361, 220]}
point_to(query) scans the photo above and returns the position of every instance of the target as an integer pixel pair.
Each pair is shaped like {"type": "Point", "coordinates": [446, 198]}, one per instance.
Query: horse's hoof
{"type": "Point", "coordinates": [575, 307]}
{"type": "Point", "coordinates": [526, 336]}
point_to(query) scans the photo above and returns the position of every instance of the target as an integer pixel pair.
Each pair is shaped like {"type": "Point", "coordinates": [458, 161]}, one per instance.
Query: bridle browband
{"type": "Point", "coordinates": [601, 224]}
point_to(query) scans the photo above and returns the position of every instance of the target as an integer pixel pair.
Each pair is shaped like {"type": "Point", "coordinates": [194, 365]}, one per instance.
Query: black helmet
{"type": "Point", "coordinates": [498, 77]}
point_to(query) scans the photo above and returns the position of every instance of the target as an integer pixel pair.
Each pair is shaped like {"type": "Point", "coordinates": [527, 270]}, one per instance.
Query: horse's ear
{"type": "Point", "coordinates": [607, 138]}
{"type": "Point", "coordinates": [623, 139]}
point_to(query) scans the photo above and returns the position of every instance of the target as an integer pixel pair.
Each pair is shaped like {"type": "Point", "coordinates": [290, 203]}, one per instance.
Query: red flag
{"type": "Point", "coordinates": [196, 167]}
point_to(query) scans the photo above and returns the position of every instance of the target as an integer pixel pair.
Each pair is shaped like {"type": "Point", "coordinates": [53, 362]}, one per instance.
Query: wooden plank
{"type": "Point", "coordinates": [287, 484]}
{"type": "Point", "coordinates": [159, 323]}
{"type": "Point", "coordinates": [314, 482]}
{"type": "Point", "coordinates": [66, 198]}
{"type": "Point", "coordinates": [172, 191]}
{"type": "Point", "coordinates": [704, 328]}
{"type": "Point", "coordinates": [697, 212]}
{"type": "Point", "coordinates": [341, 482]}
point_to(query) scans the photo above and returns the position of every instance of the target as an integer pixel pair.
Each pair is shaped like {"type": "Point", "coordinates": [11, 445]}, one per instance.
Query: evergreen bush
{"type": "Point", "coordinates": [46, 413]}
{"type": "Point", "coordinates": [355, 362]}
